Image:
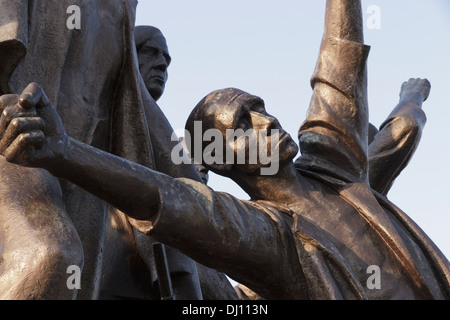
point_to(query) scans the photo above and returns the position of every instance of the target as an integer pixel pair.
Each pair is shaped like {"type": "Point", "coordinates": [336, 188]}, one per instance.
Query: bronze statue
{"type": "Point", "coordinates": [311, 231]}
{"type": "Point", "coordinates": [391, 147]}
{"type": "Point", "coordinates": [153, 57]}
{"type": "Point", "coordinates": [93, 87]}
{"type": "Point", "coordinates": [154, 60]}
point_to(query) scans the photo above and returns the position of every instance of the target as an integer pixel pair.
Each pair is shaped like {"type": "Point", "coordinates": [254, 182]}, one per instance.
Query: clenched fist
{"type": "Point", "coordinates": [416, 87]}
{"type": "Point", "coordinates": [31, 131]}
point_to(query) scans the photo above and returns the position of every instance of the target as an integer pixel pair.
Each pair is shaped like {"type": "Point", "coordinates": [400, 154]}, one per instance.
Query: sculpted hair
{"type": "Point", "coordinates": [204, 111]}
{"type": "Point", "coordinates": [195, 115]}
{"type": "Point", "coordinates": [143, 33]}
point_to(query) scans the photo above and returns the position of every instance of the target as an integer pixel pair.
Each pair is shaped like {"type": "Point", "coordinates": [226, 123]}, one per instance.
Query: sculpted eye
{"type": "Point", "coordinates": [168, 59]}
{"type": "Point", "coordinates": [258, 106]}
{"type": "Point", "coordinates": [244, 122]}
{"type": "Point", "coordinates": [150, 51]}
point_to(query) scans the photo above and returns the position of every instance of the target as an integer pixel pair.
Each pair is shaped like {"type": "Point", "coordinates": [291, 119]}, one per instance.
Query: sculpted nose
{"type": "Point", "coordinates": [273, 123]}
{"type": "Point", "coordinates": [160, 62]}
{"type": "Point", "coordinates": [266, 121]}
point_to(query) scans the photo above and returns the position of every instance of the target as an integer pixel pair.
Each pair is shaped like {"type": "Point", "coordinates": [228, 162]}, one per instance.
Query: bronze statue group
{"type": "Point", "coordinates": [87, 179]}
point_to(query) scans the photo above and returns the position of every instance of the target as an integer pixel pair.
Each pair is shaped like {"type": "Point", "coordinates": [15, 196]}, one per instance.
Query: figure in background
{"type": "Point", "coordinates": [153, 57]}
{"type": "Point", "coordinates": [154, 60]}
{"type": "Point", "coordinates": [48, 224]}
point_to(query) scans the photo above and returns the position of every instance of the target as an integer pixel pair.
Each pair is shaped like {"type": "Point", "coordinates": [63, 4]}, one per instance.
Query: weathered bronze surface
{"type": "Point", "coordinates": [310, 231]}
{"type": "Point", "coordinates": [154, 60]}
{"type": "Point", "coordinates": [93, 87]}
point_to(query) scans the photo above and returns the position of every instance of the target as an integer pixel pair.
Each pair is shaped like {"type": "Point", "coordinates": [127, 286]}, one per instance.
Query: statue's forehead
{"type": "Point", "coordinates": [223, 103]}
{"type": "Point", "coordinates": [157, 40]}
{"type": "Point", "coordinates": [224, 106]}
{"type": "Point", "coordinates": [229, 98]}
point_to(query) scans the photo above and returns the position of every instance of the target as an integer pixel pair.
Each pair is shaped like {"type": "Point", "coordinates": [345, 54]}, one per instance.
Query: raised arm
{"type": "Point", "coordinates": [343, 20]}
{"type": "Point", "coordinates": [394, 145]}
{"type": "Point", "coordinates": [333, 138]}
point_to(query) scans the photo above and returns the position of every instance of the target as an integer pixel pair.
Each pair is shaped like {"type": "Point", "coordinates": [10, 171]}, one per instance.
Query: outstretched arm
{"type": "Point", "coordinates": [399, 136]}
{"type": "Point", "coordinates": [182, 213]}
{"type": "Point", "coordinates": [333, 138]}
{"type": "Point", "coordinates": [32, 135]}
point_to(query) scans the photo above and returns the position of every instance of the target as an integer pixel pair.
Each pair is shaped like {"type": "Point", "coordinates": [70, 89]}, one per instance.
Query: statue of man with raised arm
{"type": "Point", "coordinates": [312, 230]}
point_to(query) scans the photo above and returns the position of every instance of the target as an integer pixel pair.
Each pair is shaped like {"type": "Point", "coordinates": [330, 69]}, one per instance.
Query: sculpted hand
{"type": "Point", "coordinates": [31, 132]}
{"type": "Point", "coordinates": [417, 88]}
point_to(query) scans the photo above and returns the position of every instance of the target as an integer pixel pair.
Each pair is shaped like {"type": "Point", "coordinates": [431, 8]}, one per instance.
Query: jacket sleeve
{"type": "Point", "coordinates": [333, 138]}
{"type": "Point", "coordinates": [394, 145]}
{"type": "Point", "coordinates": [243, 239]}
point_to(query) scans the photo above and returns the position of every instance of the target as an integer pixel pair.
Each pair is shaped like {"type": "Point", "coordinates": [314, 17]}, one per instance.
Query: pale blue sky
{"type": "Point", "coordinates": [269, 48]}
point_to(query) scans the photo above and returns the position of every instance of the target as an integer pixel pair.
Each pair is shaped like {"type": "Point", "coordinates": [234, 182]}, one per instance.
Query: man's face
{"type": "Point", "coordinates": [154, 59]}
{"type": "Point", "coordinates": [246, 113]}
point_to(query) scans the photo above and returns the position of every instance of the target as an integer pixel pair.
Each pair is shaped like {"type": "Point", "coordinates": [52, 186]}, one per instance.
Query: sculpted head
{"type": "Point", "coordinates": [154, 58]}
{"type": "Point", "coordinates": [237, 135]}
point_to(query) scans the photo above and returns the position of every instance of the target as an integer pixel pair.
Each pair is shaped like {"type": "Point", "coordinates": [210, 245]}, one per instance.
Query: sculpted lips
{"type": "Point", "coordinates": [283, 135]}
{"type": "Point", "coordinates": [158, 79]}
{"type": "Point", "coordinates": [280, 137]}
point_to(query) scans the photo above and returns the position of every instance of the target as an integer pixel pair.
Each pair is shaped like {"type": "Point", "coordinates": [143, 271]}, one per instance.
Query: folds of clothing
{"type": "Point", "coordinates": [79, 77]}
{"type": "Point", "coordinates": [290, 252]}
{"type": "Point", "coordinates": [100, 96]}
{"type": "Point", "coordinates": [44, 42]}
{"type": "Point", "coordinates": [251, 242]}
{"type": "Point", "coordinates": [333, 138]}
{"type": "Point", "coordinates": [38, 242]}
{"type": "Point", "coordinates": [335, 153]}
{"type": "Point", "coordinates": [332, 236]}
{"type": "Point", "coordinates": [300, 252]}
{"type": "Point", "coordinates": [13, 38]}
{"type": "Point", "coordinates": [417, 261]}
{"type": "Point", "coordinates": [392, 147]}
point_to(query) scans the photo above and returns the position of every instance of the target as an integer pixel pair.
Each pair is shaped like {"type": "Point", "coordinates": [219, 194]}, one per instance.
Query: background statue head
{"type": "Point", "coordinates": [154, 58]}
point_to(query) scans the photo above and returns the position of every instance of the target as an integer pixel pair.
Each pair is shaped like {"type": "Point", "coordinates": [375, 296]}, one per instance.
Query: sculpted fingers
{"type": "Point", "coordinates": [418, 85]}
{"type": "Point", "coordinates": [426, 88]}
{"type": "Point", "coordinates": [31, 131]}
{"type": "Point", "coordinates": [7, 100]}
{"type": "Point", "coordinates": [10, 113]}
{"type": "Point", "coordinates": [21, 129]}
{"type": "Point", "coordinates": [18, 126]}
{"type": "Point", "coordinates": [25, 148]}
{"type": "Point", "coordinates": [33, 95]}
